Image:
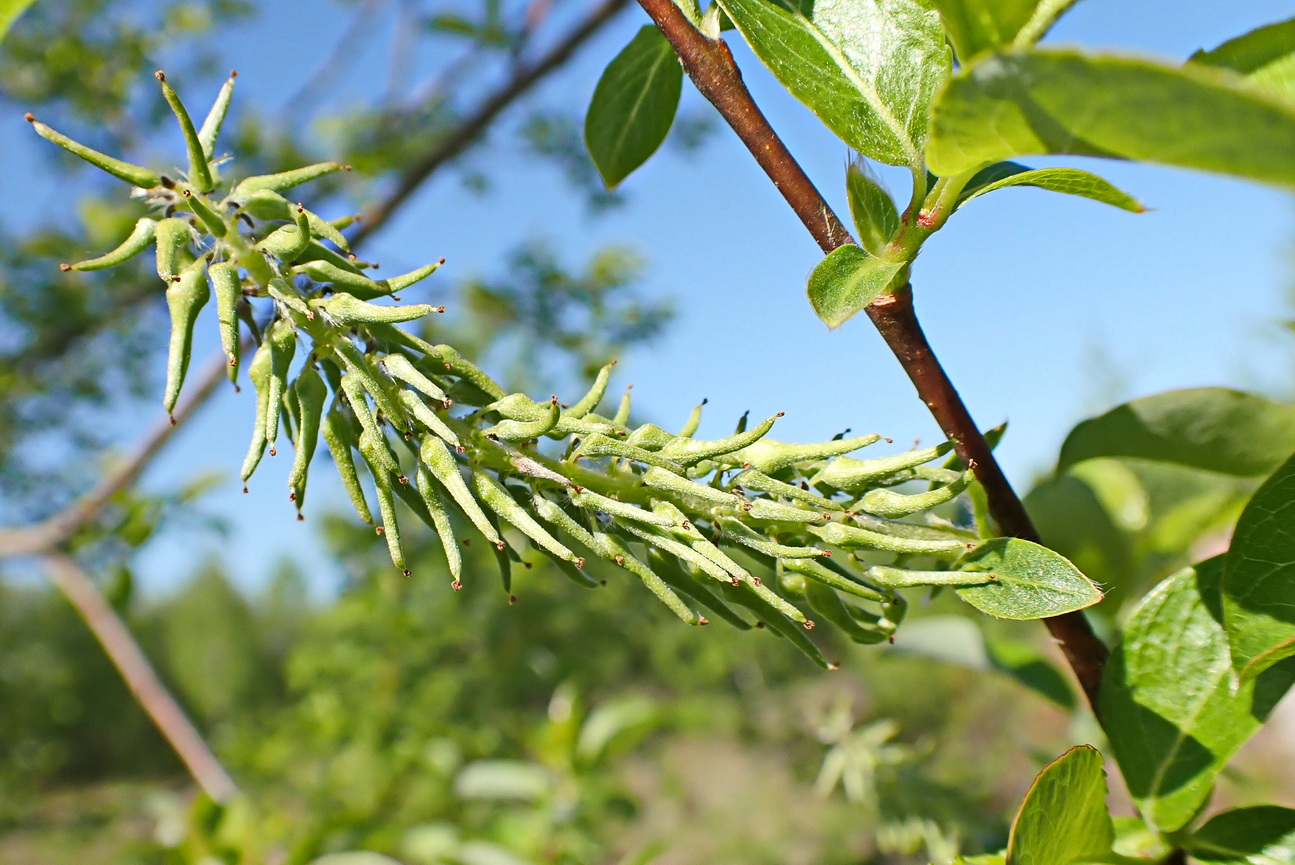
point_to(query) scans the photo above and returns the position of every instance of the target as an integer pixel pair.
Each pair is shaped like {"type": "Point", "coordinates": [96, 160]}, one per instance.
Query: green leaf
{"type": "Point", "coordinates": [503, 780]}
{"type": "Point", "coordinates": [1211, 428]}
{"type": "Point", "coordinates": [846, 281]}
{"type": "Point", "coordinates": [1032, 582]}
{"type": "Point", "coordinates": [1259, 577]}
{"type": "Point", "coordinates": [1265, 56]}
{"type": "Point", "coordinates": [1064, 818]}
{"type": "Point", "coordinates": [1167, 697]}
{"type": "Point", "coordinates": [975, 26]}
{"type": "Point", "coordinates": [1259, 835]}
{"type": "Point", "coordinates": [615, 726]}
{"type": "Point", "coordinates": [633, 105]}
{"type": "Point", "coordinates": [9, 12]}
{"type": "Point", "coordinates": [1065, 101]}
{"type": "Point", "coordinates": [868, 68]}
{"type": "Point", "coordinates": [1070, 181]}
{"type": "Point", "coordinates": [875, 216]}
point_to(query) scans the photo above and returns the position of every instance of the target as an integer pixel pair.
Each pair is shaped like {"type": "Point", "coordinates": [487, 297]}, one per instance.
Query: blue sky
{"type": "Point", "coordinates": [1044, 308]}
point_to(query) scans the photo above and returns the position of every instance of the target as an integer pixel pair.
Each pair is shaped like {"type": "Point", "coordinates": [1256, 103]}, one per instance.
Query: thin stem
{"type": "Point", "coordinates": [141, 678]}
{"type": "Point", "coordinates": [710, 65]}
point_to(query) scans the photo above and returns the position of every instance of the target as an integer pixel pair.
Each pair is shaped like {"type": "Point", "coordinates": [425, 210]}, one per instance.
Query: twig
{"type": "Point", "coordinates": [141, 678]}
{"type": "Point", "coordinates": [711, 66]}
{"type": "Point", "coordinates": [518, 84]}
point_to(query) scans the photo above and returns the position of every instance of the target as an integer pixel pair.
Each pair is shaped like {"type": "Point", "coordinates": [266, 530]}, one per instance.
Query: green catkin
{"type": "Point", "coordinates": [141, 237]}
{"type": "Point", "coordinates": [259, 372]}
{"type": "Point", "coordinates": [771, 457]}
{"type": "Point", "coordinates": [282, 340]}
{"type": "Point", "coordinates": [441, 463]}
{"type": "Point", "coordinates": [840, 535]}
{"type": "Point", "coordinates": [173, 238]}
{"type": "Point", "coordinates": [441, 523]}
{"type": "Point", "coordinates": [285, 180]}
{"type": "Point", "coordinates": [133, 174]}
{"type": "Point", "coordinates": [185, 299]}
{"type": "Point", "coordinates": [209, 218]}
{"type": "Point", "coordinates": [199, 171]}
{"type": "Point", "coordinates": [338, 437]}
{"type": "Point", "coordinates": [494, 496]}
{"type": "Point", "coordinates": [888, 503]}
{"type": "Point", "coordinates": [310, 392]}
{"type": "Point", "coordinates": [689, 451]}
{"type": "Point", "coordinates": [210, 129]}
{"type": "Point", "coordinates": [589, 402]}
{"type": "Point", "coordinates": [851, 475]}
{"type": "Point", "coordinates": [228, 289]}
{"type": "Point", "coordinates": [425, 416]}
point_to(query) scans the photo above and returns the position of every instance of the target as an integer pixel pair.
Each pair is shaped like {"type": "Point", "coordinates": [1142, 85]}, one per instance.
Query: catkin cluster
{"type": "Point", "coordinates": [692, 519]}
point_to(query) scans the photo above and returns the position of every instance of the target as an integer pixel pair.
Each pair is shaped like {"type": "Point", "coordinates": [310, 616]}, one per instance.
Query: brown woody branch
{"type": "Point", "coordinates": [710, 65]}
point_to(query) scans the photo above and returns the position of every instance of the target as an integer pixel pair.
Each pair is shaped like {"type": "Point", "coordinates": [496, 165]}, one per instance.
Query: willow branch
{"type": "Point", "coordinates": [472, 126]}
{"type": "Point", "coordinates": [141, 678]}
{"type": "Point", "coordinates": [710, 65]}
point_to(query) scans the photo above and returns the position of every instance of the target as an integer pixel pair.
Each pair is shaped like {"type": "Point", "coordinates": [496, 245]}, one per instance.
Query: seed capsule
{"type": "Point", "coordinates": [357, 365]}
{"type": "Point", "coordinates": [589, 401]}
{"type": "Point", "coordinates": [346, 310]}
{"type": "Point", "coordinates": [285, 180]}
{"type": "Point", "coordinates": [828, 604]}
{"type": "Point", "coordinates": [441, 522]}
{"type": "Point", "coordinates": [229, 290]}
{"type": "Point", "coordinates": [495, 497]}
{"type": "Point", "coordinates": [650, 436]}
{"type": "Point", "coordinates": [694, 421]}
{"type": "Point", "coordinates": [776, 620]}
{"type": "Point", "coordinates": [132, 174]}
{"type": "Point", "coordinates": [619, 510]}
{"type": "Point", "coordinates": [399, 368]}
{"type": "Point", "coordinates": [210, 129]}
{"type": "Point", "coordinates": [687, 584]}
{"type": "Point", "coordinates": [764, 509]}
{"type": "Point", "coordinates": [841, 535]}
{"type": "Point", "coordinates": [603, 446]}
{"type": "Point", "coordinates": [689, 451]}
{"type": "Point", "coordinates": [199, 172]}
{"type": "Point", "coordinates": [771, 457]}
{"type": "Point", "coordinates": [458, 365]}
{"type": "Point", "coordinates": [173, 255]}
{"type": "Point", "coordinates": [512, 430]}
{"type": "Point", "coordinates": [387, 508]}
{"type": "Point", "coordinates": [762, 483]}
{"type": "Point", "coordinates": [139, 240]}
{"type": "Point", "coordinates": [828, 576]}
{"type": "Point", "coordinates": [622, 416]}
{"type": "Point", "coordinates": [898, 578]}
{"type": "Point", "coordinates": [282, 340]}
{"type": "Point", "coordinates": [209, 218]}
{"type": "Point", "coordinates": [338, 436]}
{"type": "Point", "coordinates": [661, 479]}
{"type": "Point", "coordinates": [289, 242]}
{"type": "Point", "coordinates": [613, 548]}
{"type": "Point", "coordinates": [736, 532]}
{"type": "Point", "coordinates": [259, 372]}
{"type": "Point", "coordinates": [287, 294]}
{"type": "Point", "coordinates": [310, 393]}
{"type": "Point", "coordinates": [887, 503]}
{"type": "Point", "coordinates": [377, 452]}
{"type": "Point", "coordinates": [185, 299]}
{"type": "Point", "coordinates": [405, 280]}
{"type": "Point", "coordinates": [427, 417]}
{"type": "Point", "coordinates": [441, 463]}
{"type": "Point", "coordinates": [852, 475]}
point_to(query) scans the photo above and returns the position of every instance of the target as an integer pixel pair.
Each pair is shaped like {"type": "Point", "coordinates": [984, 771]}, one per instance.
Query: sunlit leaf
{"type": "Point", "coordinates": [1070, 181]}
{"type": "Point", "coordinates": [976, 26]}
{"type": "Point", "coordinates": [1064, 818]}
{"type": "Point", "coordinates": [1265, 56]}
{"type": "Point", "coordinates": [1031, 582]}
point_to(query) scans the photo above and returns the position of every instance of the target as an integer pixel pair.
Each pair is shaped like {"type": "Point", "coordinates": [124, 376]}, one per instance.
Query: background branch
{"type": "Point", "coordinates": [141, 678]}
{"type": "Point", "coordinates": [710, 65]}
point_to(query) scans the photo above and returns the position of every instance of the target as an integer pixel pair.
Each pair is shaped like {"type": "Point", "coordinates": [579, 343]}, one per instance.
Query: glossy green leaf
{"type": "Point", "coordinates": [1066, 101]}
{"type": "Point", "coordinates": [846, 281]}
{"type": "Point", "coordinates": [633, 105]}
{"type": "Point", "coordinates": [1070, 181]}
{"type": "Point", "coordinates": [1032, 582]}
{"type": "Point", "coordinates": [868, 68]}
{"type": "Point", "coordinates": [976, 26]}
{"type": "Point", "coordinates": [1265, 56]}
{"type": "Point", "coordinates": [875, 216]}
{"type": "Point", "coordinates": [9, 12]}
{"type": "Point", "coordinates": [1210, 428]}
{"type": "Point", "coordinates": [1064, 818]}
{"type": "Point", "coordinates": [1259, 577]}
{"type": "Point", "coordinates": [1260, 835]}
{"type": "Point", "coordinates": [1167, 697]}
